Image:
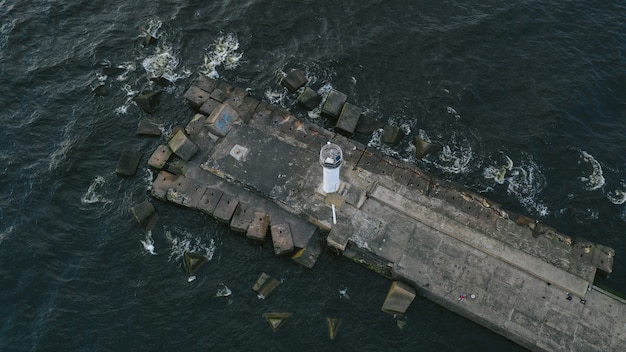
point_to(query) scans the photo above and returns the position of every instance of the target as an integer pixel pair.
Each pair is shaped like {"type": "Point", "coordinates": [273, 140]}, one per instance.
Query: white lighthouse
{"type": "Point", "coordinates": [331, 159]}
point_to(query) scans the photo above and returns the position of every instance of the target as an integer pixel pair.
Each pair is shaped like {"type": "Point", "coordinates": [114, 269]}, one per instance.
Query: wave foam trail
{"type": "Point", "coordinates": [224, 291]}
{"type": "Point", "coordinates": [164, 64]}
{"type": "Point", "coordinates": [595, 180]}
{"type": "Point", "coordinates": [148, 244]}
{"type": "Point", "coordinates": [618, 196]}
{"type": "Point", "coordinates": [152, 29]}
{"type": "Point", "coordinates": [187, 242]}
{"type": "Point", "coordinates": [222, 52]}
{"type": "Point", "coordinates": [454, 160]}
{"type": "Point", "coordinates": [92, 196]}
{"type": "Point", "coordinates": [524, 182]}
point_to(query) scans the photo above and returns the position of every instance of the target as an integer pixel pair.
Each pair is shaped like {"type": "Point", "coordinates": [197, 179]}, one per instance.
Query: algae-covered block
{"type": "Point", "coordinates": [128, 162]}
{"type": "Point", "coordinates": [334, 103]}
{"type": "Point", "coordinates": [222, 119]}
{"type": "Point", "coordinates": [348, 119]}
{"type": "Point", "coordinates": [182, 146]}
{"type": "Point", "coordinates": [399, 298]}
{"type": "Point", "coordinates": [294, 80]}
{"type": "Point", "coordinates": [148, 101]}
{"type": "Point", "coordinates": [264, 285]}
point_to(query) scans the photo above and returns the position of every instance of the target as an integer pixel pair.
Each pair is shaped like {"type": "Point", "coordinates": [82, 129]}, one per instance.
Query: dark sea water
{"type": "Point", "coordinates": [533, 88]}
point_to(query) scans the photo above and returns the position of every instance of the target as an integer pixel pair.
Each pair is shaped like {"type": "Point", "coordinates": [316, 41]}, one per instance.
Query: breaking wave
{"type": "Point", "coordinates": [187, 242]}
{"type": "Point", "coordinates": [524, 182]}
{"type": "Point", "coordinates": [163, 64]}
{"type": "Point", "coordinates": [148, 243]}
{"type": "Point", "coordinates": [222, 52]}
{"type": "Point", "coordinates": [617, 196]}
{"type": "Point", "coordinates": [92, 195]}
{"type": "Point", "coordinates": [595, 180]}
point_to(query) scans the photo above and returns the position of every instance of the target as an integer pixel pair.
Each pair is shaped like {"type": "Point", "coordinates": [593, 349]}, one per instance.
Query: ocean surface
{"type": "Point", "coordinates": [527, 98]}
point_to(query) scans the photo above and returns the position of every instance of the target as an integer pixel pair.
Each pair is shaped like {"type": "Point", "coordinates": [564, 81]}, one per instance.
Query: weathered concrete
{"type": "Point", "coordinates": [128, 162]}
{"type": "Point", "coordinates": [505, 271]}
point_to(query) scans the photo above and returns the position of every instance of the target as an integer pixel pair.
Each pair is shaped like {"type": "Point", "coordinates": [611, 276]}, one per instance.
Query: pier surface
{"type": "Point", "coordinates": [239, 157]}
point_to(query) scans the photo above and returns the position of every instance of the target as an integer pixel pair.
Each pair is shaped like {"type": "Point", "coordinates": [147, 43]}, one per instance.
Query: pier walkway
{"type": "Point", "coordinates": [256, 166]}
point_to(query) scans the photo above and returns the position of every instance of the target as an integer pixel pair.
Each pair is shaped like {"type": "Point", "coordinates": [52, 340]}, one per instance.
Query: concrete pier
{"type": "Point", "coordinates": [519, 278]}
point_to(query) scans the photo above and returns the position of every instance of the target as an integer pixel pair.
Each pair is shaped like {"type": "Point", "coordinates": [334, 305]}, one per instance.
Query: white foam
{"type": "Point", "coordinates": [185, 241]}
{"type": "Point", "coordinates": [595, 180]}
{"type": "Point", "coordinates": [224, 291]}
{"type": "Point", "coordinates": [276, 97]}
{"type": "Point", "coordinates": [525, 182]}
{"type": "Point", "coordinates": [92, 196]}
{"type": "Point", "coordinates": [222, 52]}
{"type": "Point", "coordinates": [148, 243]}
{"type": "Point", "coordinates": [164, 64]}
{"type": "Point", "coordinates": [152, 29]}
{"type": "Point", "coordinates": [343, 293]}
{"type": "Point", "coordinates": [617, 196]}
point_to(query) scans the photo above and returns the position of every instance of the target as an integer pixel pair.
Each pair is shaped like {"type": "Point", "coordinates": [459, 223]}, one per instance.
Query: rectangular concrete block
{"type": "Point", "coordinates": [399, 298]}
{"type": "Point", "coordinates": [222, 119]}
{"type": "Point", "coordinates": [208, 106]}
{"type": "Point", "coordinates": [264, 285]}
{"type": "Point", "coordinates": [225, 208]}
{"type": "Point", "coordinates": [308, 255]}
{"type": "Point", "coordinates": [145, 214]}
{"type": "Point", "coordinates": [242, 217]}
{"type": "Point", "coordinates": [147, 127]}
{"type": "Point", "coordinates": [281, 239]}
{"type": "Point", "coordinates": [257, 231]}
{"type": "Point", "coordinates": [205, 83]}
{"type": "Point", "coordinates": [309, 98]}
{"type": "Point", "coordinates": [128, 162]}
{"type": "Point", "coordinates": [348, 119]}
{"type": "Point", "coordinates": [334, 103]}
{"type": "Point", "coordinates": [160, 156]}
{"type": "Point", "coordinates": [209, 200]}
{"type": "Point", "coordinates": [247, 107]}
{"type": "Point", "coordinates": [182, 146]}
{"type": "Point", "coordinates": [392, 134]}
{"type": "Point", "coordinates": [195, 97]}
{"type": "Point", "coordinates": [162, 183]}
{"type": "Point", "coordinates": [294, 80]}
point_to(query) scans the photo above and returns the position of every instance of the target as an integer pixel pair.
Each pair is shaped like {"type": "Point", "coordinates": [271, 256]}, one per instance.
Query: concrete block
{"type": "Point", "coordinates": [264, 285]}
{"type": "Point", "coordinates": [185, 192]}
{"type": "Point", "coordinates": [177, 166]}
{"type": "Point", "coordinates": [276, 320]}
{"type": "Point", "coordinates": [294, 80]}
{"type": "Point", "coordinates": [208, 106]}
{"type": "Point", "coordinates": [162, 183]}
{"type": "Point", "coordinates": [193, 262]}
{"type": "Point", "coordinates": [423, 148]}
{"type": "Point", "coordinates": [412, 179]}
{"type": "Point", "coordinates": [247, 107]}
{"type": "Point", "coordinates": [392, 134]}
{"type": "Point", "coordinates": [222, 119]}
{"type": "Point", "coordinates": [209, 200]}
{"type": "Point", "coordinates": [334, 103]}
{"type": "Point", "coordinates": [367, 125]}
{"type": "Point", "coordinates": [148, 101]}
{"type": "Point", "coordinates": [128, 162]}
{"type": "Point", "coordinates": [242, 217]}
{"type": "Point", "coordinates": [339, 235]}
{"type": "Point", "coordinates": [98, 88]}
{"type": "Point", "coordinates": [348, 119]}
{"type": "Point", "coordinates": [160, 156]}
{"type": "Point", "coordinates": [399, 298]}
{"type": "Point", "coordinates": [281, 239]}
{"type": "Point", "coordinates": [309, 98]}
{"type": "Point", "coordinates": [235, 97]}
{"type": "Point", "coordinates": [333, 326]}
{"type": "Point", "coordinates": [147, 127]}
{"type": "Point", "coordinates": [145, 214]}
{"type": "Point", "coordinates": [182, 146]}
{"type": "Point", "coordinates": [205, 83]}
{"type": "Point", "coordinates": [195, 125]}
{"type": "Point", "coordinates": [308, 255]}
{"type": "Point", "coordinates": [225, 208]}
{"type": "Point", "coordinates": [603, 259]}
{"type": "Point", "coordinates": [257, 230]}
